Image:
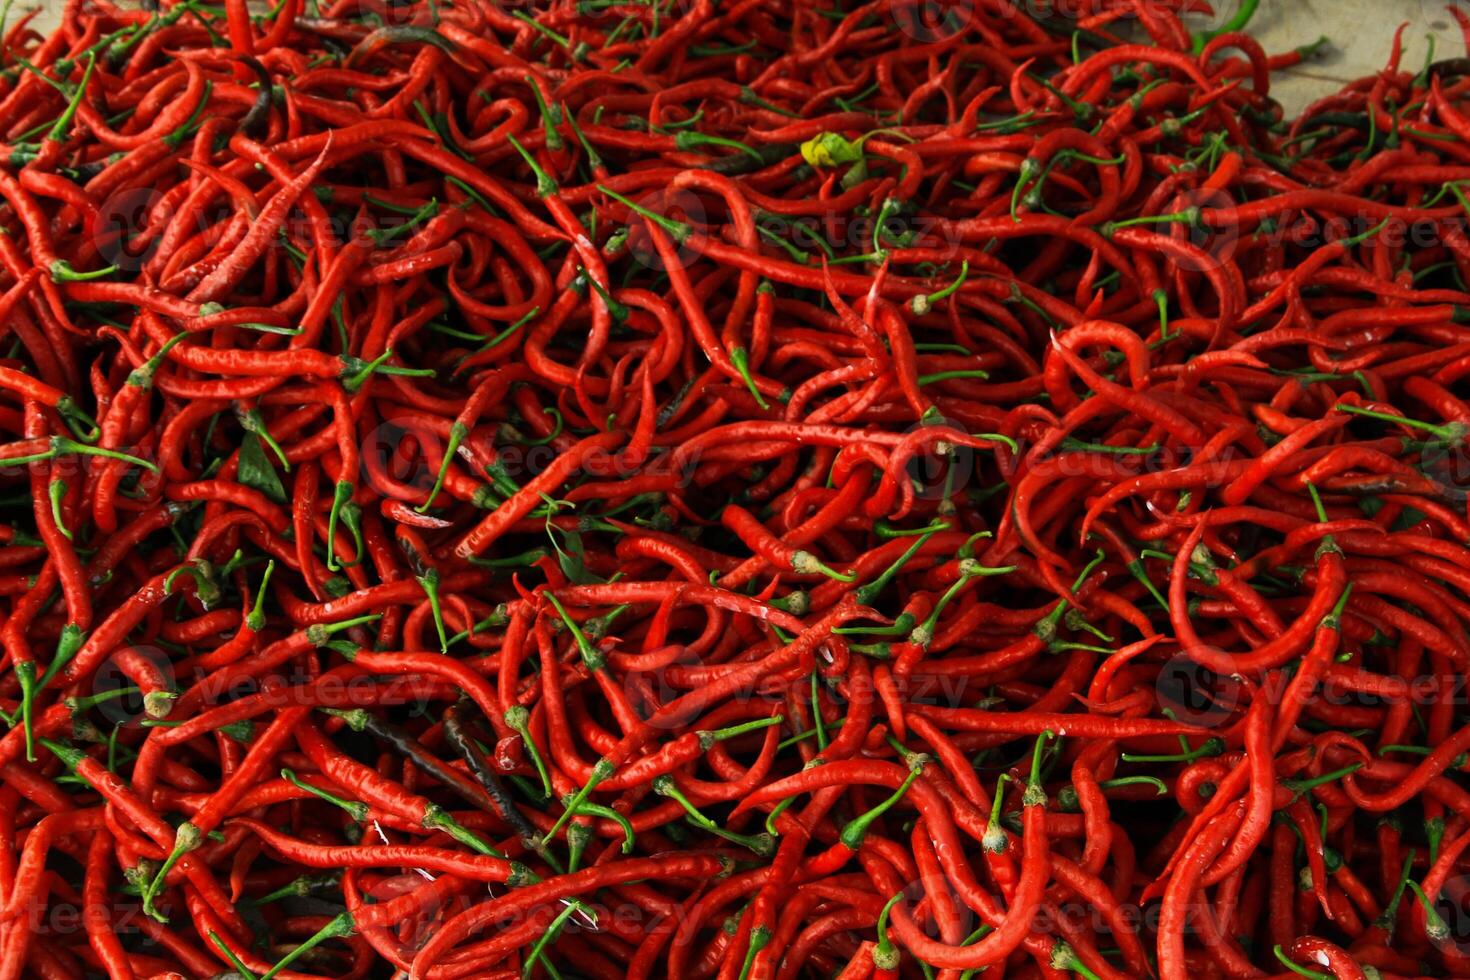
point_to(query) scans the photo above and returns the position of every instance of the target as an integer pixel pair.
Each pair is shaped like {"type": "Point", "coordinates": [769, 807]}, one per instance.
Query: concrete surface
{"type": "Point", "coordinates": [1361, 34]}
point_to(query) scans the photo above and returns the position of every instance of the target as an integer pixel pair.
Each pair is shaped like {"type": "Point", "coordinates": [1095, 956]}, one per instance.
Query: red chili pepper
{"type": "Point", "coordinates": [950, 300]}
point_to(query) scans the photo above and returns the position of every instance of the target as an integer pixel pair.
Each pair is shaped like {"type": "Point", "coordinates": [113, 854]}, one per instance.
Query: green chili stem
{"type": "Point", "coordinates": [358, 811]}
{"type": "Point", "coordinates": [339, 926]}
{"type": "Point", "coordinates": [852, 835]}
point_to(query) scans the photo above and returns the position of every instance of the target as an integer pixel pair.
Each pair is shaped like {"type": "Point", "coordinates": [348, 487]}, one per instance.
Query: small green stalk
{"type": "Point", "coordinates": [206, 587]}
{"type": "Point", "coordinates": [677, 230]}
{"type": "Point", "coordinates": [1064, 957]}
{"type": "Point", "coordinates": [806, 563]}
{"type": "Point", "coordinates": [1435, 926]}
{"type": "Point", "coordinates": [601, 769]}
{"type": "Point", "coordinates": [357, 811]}
{"type": "Point", "coordinates": [1451, 434]}
{"type": "Point", "coordinates": [186, 838]}
{"type": "Point", "coordinates": [886, 956]}
{"type": "Point", "coordinates": [1296, 968]}
{"type": "Point", "coordinates": [82, 425]}
{"type": "Point", "coordinates": [542, 29]}
{"type": "Point", "coordinates": [71, 640]}
{"type": "Point", "coordinates": [1387, 919]}
{"type": "Point", "coordinates": [545, 186]}
{"type": "Point", "coordinates": [691, 140]}
{"type": "Point", "coordinates": [356, 371]}
{"type": "Point", "coordinates": [922, 304]}
{"type": "Point", "coordinates": [608, 813]}
{"type": "Point", "coordinates": [62, 446]}
{"type": "Point", "coordinates": [518, 720]}
{"type": "Point", "coordinates": [852, 835]}
{"type": "Point", "coordinates": [1210, 748]}
{"type": "Point", "coordinates": [256, 620]}
{"type": "Point", "coordinates": [887, 532]}
{"type": "Point", "coordinates": [970, 569]}
{"type": "Point", "coordinates": [340, 496]}
{"type": "Point", "coordinates": [1237, 23]}
{"type": "Point", "coordinates": [741, 359]}
{"type": "Point", "coordinates": [58, 130]}
{"type": "Point", "coordinates": [1029, 171]}
{"type": "Point", "coordinates": [251, 421]}
{"type": "Point", "coordinates": [62, 272]}
{"type": "Point", "coordinates": [1434, 835]}
{"type": "Point", "coordinates": [974, 937]}
{"type": "Point", "coordinates": [25, 673]}
{"type": "Point", "coordinates": [867, 593]}
{"type": "Point", "coordinates": [1161, 298]}
{"type": "Point", "coordinates": [1189, 216]}
{"type": "Point", "coordinates": [320, 634]}
{"type": "Point", "coordinates": [546, 938]}
{"type": "Point", "coordinates": [889, 208]}
{"type": "Point", "coordinates": [785, 804]}
{"type": "Point", "coordinates": [143, 375]}
{"type": "Point", "coordinates": [229, 954]}
{"type": "Point", "coordinates": [416, 217]}
{"type": "Point", "coordinates": [525, 559]}
{"type": "Point", "coordinates": [592, 658]}
{"type": "Point", "coordinates": [594, 159]}
{"type": "Point", "coordinates": [759, 937]}
{"type": "Point", "coordinates": [337, 927]}
{"type": "Point", "coordinates": [1035, 795]}
{"type": "Point", "coordinates": [1067, 799]}
{"type": "Point", "coordinates": [708, 738]}
{"type": "Point", "coordinates": [56, 491]}
{"type": "Point", "coordinates": [1300, 787]}
{"type": "Point", "coordinates": [666, 787]}
{"type": "Point", "coordinates": [502, 336]}
{"type": "Point", "coordinates": [799, 737]}
{"type": "Point", "coordinates": [775, 813]}
{"type": "Point", "coordinates": [618, 311]}
{"type": "Point", "coordinates": [429, 582]}
{"type": "Point", "coordinates": [299, 887]}
{"type": "Point", "coordinates": [994, 838]}
{"type": "Point", "coordinates": [975, 374]}
{"type": "Point", "coordinates": [437, 818]}
{"type": "Point", "coordinates": [1140, 572]}
{"type": "Point", "coordinates": [797, 602]}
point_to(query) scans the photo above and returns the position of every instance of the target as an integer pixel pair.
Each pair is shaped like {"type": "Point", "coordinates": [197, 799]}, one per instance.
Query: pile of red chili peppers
{"type": "Point", "coordinates": [728, 489]}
